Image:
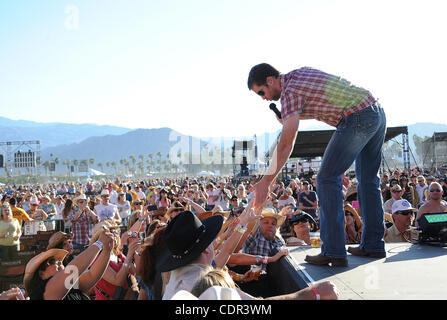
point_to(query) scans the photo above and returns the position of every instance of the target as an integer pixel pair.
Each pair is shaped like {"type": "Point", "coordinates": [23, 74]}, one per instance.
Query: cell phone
{"type": "Point", "coordinates": [141, 236]}
{"type": "Point", "coordinates": [152, 208]}
{"type": "Point", "coordinates": [132, 234]}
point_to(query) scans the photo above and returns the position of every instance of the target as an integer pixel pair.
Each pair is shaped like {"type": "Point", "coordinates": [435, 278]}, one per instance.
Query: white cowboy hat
{"type": "Point", "coordinates": [212, 293]}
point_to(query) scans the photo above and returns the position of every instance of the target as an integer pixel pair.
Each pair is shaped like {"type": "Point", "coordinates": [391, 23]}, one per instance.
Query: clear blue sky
{"type": "Point", "coordinates": [184, 64]}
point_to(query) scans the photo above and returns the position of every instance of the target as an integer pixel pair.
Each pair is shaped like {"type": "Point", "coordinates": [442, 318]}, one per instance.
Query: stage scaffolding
{"type": "Point", "coordinates": [435, 151]}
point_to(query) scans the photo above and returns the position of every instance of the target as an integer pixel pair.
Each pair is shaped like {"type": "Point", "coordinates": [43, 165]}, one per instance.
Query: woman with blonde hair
{"type": "Point", "coordinates": [10, 232]}
{"type": "Point", "coordinates": [119, 266]}
{"type": "Point", "coordinates": [242, 194]}
{"type": "Point", "coordinates": [286, 199]}
{"type": "Point", "coordinates": [213, 277]}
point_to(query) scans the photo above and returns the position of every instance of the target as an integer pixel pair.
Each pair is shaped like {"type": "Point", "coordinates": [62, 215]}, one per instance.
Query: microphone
{"type": "Point", "coordinates": [275, 110]}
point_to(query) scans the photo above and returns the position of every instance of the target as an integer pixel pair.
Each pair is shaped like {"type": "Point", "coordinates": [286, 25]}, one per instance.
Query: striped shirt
{"type": "Point", "coordinates": [314, 94]}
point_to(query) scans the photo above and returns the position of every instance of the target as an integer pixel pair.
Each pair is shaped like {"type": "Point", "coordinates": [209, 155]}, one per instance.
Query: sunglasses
{"type": "Point", "coordinates": [52, 261]}
{"type": "Point", "coordinates": [261, 93]}
{"type": "Point", "coordinates": [396, 191]}
{"type": "Point", "coordinates": [435, 190]}
{"type": "Point", "coordinates": [405, 213]}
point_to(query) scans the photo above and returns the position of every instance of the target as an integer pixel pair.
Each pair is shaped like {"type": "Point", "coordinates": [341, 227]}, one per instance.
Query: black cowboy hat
{"type": "Point", "coordinates": [303, 216]}
{"type": "Point", "coordinates": [186, 237]}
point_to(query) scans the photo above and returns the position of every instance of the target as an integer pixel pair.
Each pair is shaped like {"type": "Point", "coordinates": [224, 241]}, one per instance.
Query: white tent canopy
{"type": "Point", "coordinates": [205, 173]}
{"type": "Point", "coordinates": [90, 172]}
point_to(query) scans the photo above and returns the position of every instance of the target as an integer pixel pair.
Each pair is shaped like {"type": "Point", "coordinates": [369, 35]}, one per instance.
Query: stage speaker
{"type": "Point", "coordinates": [433, 228]}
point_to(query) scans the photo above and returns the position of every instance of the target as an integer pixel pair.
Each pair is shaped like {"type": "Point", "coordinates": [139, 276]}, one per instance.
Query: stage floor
{"type": "Point", "coordinates": [410, 271]}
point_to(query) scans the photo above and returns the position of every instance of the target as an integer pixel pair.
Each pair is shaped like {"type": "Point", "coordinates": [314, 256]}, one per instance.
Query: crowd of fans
{"type": "Point", "coordinates": [150, 240]}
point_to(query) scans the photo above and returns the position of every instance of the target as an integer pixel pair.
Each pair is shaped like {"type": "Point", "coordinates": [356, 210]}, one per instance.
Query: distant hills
{"type": "Point", "coordinates": [53, 134]}
{"type": "Point", "coordinates": [109, 143]}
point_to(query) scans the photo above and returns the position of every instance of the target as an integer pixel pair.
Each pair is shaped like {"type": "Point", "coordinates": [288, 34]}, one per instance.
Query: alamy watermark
{"type": "Point", "coordinates": [72, 17]}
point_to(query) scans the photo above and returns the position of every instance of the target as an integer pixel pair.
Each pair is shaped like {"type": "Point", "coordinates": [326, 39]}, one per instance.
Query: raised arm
{"type": "Point", "coordinates": [232, 242]}
{"type": "Point", "coordinates": [59, 285]}
{"type": "Point", "coordinates": [280, 156]}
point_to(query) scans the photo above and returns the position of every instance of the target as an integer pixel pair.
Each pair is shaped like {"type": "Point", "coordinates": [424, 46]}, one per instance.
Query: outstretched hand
{"type": "Point", "coordinates": [262, 191]}
{"type": "Point", "coordinates": [250, 213]}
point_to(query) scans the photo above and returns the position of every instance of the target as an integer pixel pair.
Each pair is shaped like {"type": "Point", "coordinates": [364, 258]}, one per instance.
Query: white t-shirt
{"type": "Point", "coordinates": [283, 203]}
{"type": "Point", "coordinates": [420, 190]}
{"type": "Point", "coordinates": [106, 212]}
{"type": "Point", "coordinates": [59, 209]}
{"type": "Point", "coordinates": [124, 209]}
{"type": "Point", "coordinates": [113, 197]}
{"type": "Point", "coordinates": [222, 200]}
{"type": "Point", "coordinates": [141, 195]}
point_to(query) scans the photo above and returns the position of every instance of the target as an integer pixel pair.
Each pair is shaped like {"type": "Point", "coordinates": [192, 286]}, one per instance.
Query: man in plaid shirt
{"type": "Point", "coordinates": [307, 93]}
{"type": "Point", "coordinates": [267, 245]}
{"type": "Point", "coordinates": [82, 223]}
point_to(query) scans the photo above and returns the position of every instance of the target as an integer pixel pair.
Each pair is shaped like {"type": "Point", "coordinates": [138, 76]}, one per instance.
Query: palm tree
{"type": "Point", "coordinates": [46, 165]}
{"type": "Point", "coordinates": [159, 157]}
{"type": "Point", "coordinates": [113, 164]}
{"type": "Point", "coordinates": [76, 163]}
{"type": "Point", "coordinates": [141, 166]}
{"type": "Point", "coordinates": [91, 161]}
{"type": "Point", "coordinates": [100, 165]}
{"type": "Point", "coordinates": [67, 162]}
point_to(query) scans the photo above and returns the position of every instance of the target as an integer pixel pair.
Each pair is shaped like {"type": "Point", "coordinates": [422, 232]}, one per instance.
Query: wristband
{"type": "Point", "coordinates": [317, 295]}
{"type": "Point", "coordinates": [98, 244]}
{"type": "Point", "coordinates": [219, 240]}
{"type": "Point", "coordinates": [265, 260]}
{"type": "Point", "coordinates": [126, 265]}
{"type": "Point", "coordinates": [241, 229]}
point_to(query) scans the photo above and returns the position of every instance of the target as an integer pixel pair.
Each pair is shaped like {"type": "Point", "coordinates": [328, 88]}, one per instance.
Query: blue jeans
{"type": "Point", "coordinates": [359, 137]}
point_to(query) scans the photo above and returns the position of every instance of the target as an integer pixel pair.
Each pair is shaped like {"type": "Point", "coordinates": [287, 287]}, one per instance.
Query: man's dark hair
{"type": "Point", "coordinates": [12, 201]}
{"type": "Point", "coordinates": [259, 73]}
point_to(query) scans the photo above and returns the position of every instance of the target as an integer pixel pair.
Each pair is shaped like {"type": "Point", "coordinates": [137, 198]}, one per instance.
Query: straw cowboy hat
{"type": "Point", "coordinates": [186, 237]}
{"type": "Point", "coordinates": [271, 213]}
{"type": "Point", "coordinates": [34, 200]}
{"type": "Point", "coordinates": [171, 209]}
{"type": "Point", "coordinates": [99, 227]}
{"type": "Point", "coordinates": [57, 238]}
{"type": "Point", "coordinates": [352, 189]}
{"type": "Point", "coordinates": [36, 261]}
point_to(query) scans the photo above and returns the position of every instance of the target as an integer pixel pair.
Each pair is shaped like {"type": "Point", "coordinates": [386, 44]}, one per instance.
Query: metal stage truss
{"type": "Point", "coordinates": [21, 155]}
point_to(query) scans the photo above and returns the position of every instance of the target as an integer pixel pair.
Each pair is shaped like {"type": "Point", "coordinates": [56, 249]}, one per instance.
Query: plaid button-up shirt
{"type": "Point", "coordinates": [258, 245]}
{"type": "Point", "coordinates": [81, 228]}
{"type": "Point", "coordinates": [314, 94]}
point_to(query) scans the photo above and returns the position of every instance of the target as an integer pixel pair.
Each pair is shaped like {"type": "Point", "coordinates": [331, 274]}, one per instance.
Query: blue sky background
{"type": "Point", "coordinates": [184, 64]}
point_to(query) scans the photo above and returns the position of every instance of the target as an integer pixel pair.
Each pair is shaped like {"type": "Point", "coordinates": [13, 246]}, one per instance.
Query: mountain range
{"type": "Point", "coordinates": [109, 143]}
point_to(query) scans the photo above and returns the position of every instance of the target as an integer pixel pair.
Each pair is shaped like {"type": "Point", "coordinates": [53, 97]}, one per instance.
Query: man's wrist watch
{"type": "Point", "coordinates": [258, 260]}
